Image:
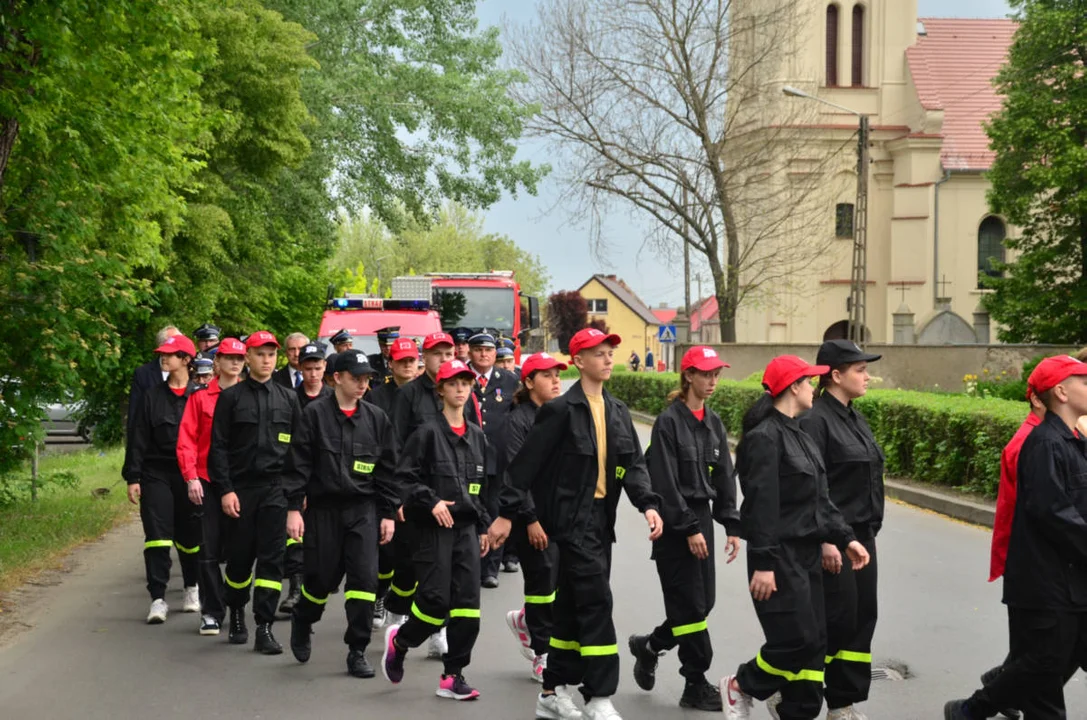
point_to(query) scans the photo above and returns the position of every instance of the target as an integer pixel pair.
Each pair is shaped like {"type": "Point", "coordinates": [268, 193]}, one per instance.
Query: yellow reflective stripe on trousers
{"type": "Point", "coordinates": [315, 601]}
{"type": "Point", "coordinates": [235, 585]}
{"type": "Point", "coordinates": [803, 675]}
{"type": "Point", "coordinates": [386, 576]}
{"type": "Point", "coordinates": [270, 584]}
{"type": "Point", "coordinates": [359, 595]}
{"type": "Point", "coordinates": [424, 617]}
{"type": "Point", "coordinates": [540, 599]}
{"type": "Point", "coordinates": [158, 543]}
{"type": "Point", "coordinates": [599, 650]}
{"type": "Point", "coordinates": [404, 593]}
{"type": "Point", "coordinates": [572, 645]}
{"type": "Point", "coordinates": [292, 541]}
{"type": "Point", "coordinates": [187, 551]}
{"type": "Point", "coordinates": [850, 656]}
{"type": "Point", "coordinates": [690, 629]}
{"type": "Point", "coordinates": [464, 613]}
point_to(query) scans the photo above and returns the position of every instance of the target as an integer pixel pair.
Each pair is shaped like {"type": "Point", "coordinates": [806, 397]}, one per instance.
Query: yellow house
{"type": "Point", "coordinates": [616, 304]}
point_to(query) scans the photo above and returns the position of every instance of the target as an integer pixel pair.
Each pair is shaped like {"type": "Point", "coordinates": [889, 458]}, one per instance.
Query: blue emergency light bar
{"type": "Point", "coordinates": [378, 304]}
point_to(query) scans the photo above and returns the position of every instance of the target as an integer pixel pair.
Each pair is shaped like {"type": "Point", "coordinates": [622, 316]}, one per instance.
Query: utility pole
{"type": "Point", "coordinates": [858, 285]}
{"type": "Point", "coordinates": [686, 262]}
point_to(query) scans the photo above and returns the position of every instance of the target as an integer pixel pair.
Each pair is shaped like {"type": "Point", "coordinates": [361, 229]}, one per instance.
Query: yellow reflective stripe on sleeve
{"type": "Point", "coordinates": [187, 551]}
{"type": "Point", "coordinates": [292, 541]}
{"type": "Point", "coordinates": [464, 613]}
{"type": "Point", "coordinates": [359, 595]}
{"type": "Point", "coordinates": [270, 584]}
{"type": "Point", "coordinates": [386, 576]}
{"type": "Point", "coordinates": [850, 656]}
{"type": "Point", "coordinates": [620, 472]}
{"type": "Point", "coordinates": [539, 599]}
{"type": "Point", "coordinates": [424, 617]}
{"type": "Point", "coordinates": [599, 650]}
{"type": "Point", "coordinates": [690, 629]}
{"type": "Point", "coordinates": [363, 467]}
{"type": "Point", "coordinates": [803, 675]}
{"type": "Point", "coordinates": [404, 593]}
{"type": "Point", "coordinates": [158, 543]}
{"type": "Point", "coordinates": [564, 644]}
{"type": "Point", "coordinates": [284, 437]}
{"type": "Point", "coordinates": [312, 599]}
{"type": "Point", "coordinates": [236, 585]}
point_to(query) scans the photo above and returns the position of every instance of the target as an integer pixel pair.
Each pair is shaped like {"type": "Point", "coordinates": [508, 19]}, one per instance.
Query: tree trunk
{"type": "Point", "coordinates": [9, 131]}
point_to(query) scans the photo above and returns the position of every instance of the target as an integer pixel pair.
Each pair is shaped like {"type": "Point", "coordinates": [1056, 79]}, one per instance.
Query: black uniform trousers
{"type": "Point", "coordinates": [169, 520]}
{"type": "Point", "coordinates": [211, 551]}
{"type": "Point", "coordinates": [447, 565]}
{"type": "Point", "coordinates": [583, 649]}
{"type": "Point", "coordinates": [794, 623]}
{"type": "Point", "coordinates": [690, 591]}
{"type": "Point", "coordinates": [402, 583]}
{"type": "Point", "coordinates": [492, 561]}
{"type": "Point", "coordinates": [851, 622]}
{"type": "Point", "coordinates": [294, 558]}
{"type": "Point", "coordinates": [259, 535]}
{"type": "Point", "coordinates": [1046, 648]}
{"type": "Point", "coordinates": [341, 540]}
{"type": "Point", "coordinates": [540, 571]}
{"type": "Point", "coordinates": [386, 566]}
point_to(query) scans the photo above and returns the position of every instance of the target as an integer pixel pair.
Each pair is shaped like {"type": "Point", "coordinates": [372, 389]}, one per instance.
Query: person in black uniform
{"type": "Point", "coordinates": [1045, 576]}
{"type": "Point", "coordinates": [530, 624]}
{"type": "Point", "coordinates": [341, 340]}
{"type": "Point", "coordinates": [504, 357]}
{"type": "Point", "coordinates": [342, 463]}
{"type": "Point", "coordinates": [854, 465]}
{"type": "Point", "coordinates": [786, 516]}
{"type": "Point", "coordinates": [580, 453]}
{"type": "Point", "coordinates": [155, 482]}
{"type": "Point", "coordinates": [441, 473]}
{"type": "Point", "coordinates": [147, 376]}
{"type": "Point", "coordinates": [380, 361]}
{"type": "Point", "coordinates": [330, 362]}
{"type": "Point", "coordinates": [207, 338]}
{"type": "Point", "coordinates": [460, 343]}
{"type": "Point", "coordinates": [690, 466]}
{"type": "Point", "coordinates": [250, 435]}
{"type": "Point", "coordinates": [311, 363]}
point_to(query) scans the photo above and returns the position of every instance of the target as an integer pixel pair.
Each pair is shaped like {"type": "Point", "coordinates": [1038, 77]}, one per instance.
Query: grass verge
{"type": "Point", "coordinates": [34, 536]}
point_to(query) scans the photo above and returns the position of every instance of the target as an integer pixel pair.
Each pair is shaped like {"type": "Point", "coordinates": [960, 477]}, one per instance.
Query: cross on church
{"type": "Point", "coordinates": [903, 288]}
{"type": "Point", "coordinates": [944, 282]}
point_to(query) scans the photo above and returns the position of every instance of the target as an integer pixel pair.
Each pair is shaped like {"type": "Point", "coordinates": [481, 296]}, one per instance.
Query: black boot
{"type": "Point", "coordinates": [700, 695]}
{"type": "Point", "coordinates": [266, 642]}
{"type": "Point", "coordinates": [358, 665]}
{"type": "Point", "coordinates": [645, 661]}
{"type": "Point", "coordinates": [301, 642]}
{"type": "Point", "coordinates": [294, 594]}
{"type": "Point", "coordinates": [957, 710]}
{"type": "Point", "coordinates": [239, 633]}
{"type": "Point", "coordinates": [988, 678]}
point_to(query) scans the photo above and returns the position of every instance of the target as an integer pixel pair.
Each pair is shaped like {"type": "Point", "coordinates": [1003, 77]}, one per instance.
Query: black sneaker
{"type": "Point", "coordinates": [700, 695]}
{"type": "Point", "coordinates": [209, 625]}
{"type": "Point", "coordinates": [301, 642]}
{"type": "Point", "coordinates": [511, 566]}
{"type": "Point", "coordinates": [988, 678]}
{"type": "Point", "coordinates": [490, 582]}
{"type": "Point", "coordinates": [956, 710]}
{"type": "Point", "coordinates": [294, 594]}
{"type": "Point", "coordinates": [239, 633]}
{"type": "Point", "coordinates": [266, 642]}
{"type": "Point", "coordinates": [358, 665]}
{"type": "Point", "coordinates": [645, 661]}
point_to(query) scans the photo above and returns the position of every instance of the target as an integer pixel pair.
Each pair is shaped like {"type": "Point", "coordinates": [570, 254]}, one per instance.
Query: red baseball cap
{"type": "Point", "coordinates": [260, 339]}
{"type": "Point", "coordinates": [452, 369]}
{"type": "Point", "coordinates": [404, 348]}
{"type": "Point", "coordinates": [230, 346]}
{"type": "Point", "coordinates": [1053, 371]}
{"type": "Point", "coordinates": [437, 338]}
{"type": "Point", "coordinates": [540, 361]}
{"type": "Point", "coordinates": [177, 344]}
{"type": "Point", "coordinates": [784, 370]}
{"type": "Point", "coordinates": [702, 358]}
{"type": "Point", "coordinates": [590, 338]}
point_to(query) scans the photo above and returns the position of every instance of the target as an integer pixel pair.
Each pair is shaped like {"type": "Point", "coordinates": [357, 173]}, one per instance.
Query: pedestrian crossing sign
{"type": "Point", "coordinates": [666, 333]}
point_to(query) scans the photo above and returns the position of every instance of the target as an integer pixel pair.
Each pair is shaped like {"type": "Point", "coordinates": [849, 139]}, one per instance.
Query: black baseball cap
{"type": "Point", "coordinates": [836, 353]}
{"type": "Point", "coordinates": [311, 351]}
{"type": "Point", "coordinates": [354, 362]}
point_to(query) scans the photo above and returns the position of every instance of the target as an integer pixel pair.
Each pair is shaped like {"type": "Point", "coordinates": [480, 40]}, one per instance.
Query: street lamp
{"type": "Point", "coordinates": [858, 284]}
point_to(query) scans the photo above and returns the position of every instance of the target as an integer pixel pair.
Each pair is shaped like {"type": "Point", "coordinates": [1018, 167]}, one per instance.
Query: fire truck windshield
{"type": "Point", "coordinates": [477, 307]}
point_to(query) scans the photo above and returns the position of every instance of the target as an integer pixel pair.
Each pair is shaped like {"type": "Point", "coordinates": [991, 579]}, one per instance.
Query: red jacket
{"type": "Point", "coordinates": [1005, 496]}
{"type": "Point", "coordinates": [194, 435]}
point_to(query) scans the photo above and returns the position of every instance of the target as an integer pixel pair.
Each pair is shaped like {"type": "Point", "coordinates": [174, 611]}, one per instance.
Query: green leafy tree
{"type": "Point", "coordinates": [1039, 177]}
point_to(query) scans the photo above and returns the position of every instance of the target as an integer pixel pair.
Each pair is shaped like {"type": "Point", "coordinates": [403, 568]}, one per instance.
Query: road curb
{"type": "Point", "coordinates": [953, 505]}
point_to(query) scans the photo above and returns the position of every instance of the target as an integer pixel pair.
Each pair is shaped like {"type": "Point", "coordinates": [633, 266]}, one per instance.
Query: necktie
{"type": "Point", "coordinates": [482, 382]}
{"type": "Point", "coordinates": [297, 378]}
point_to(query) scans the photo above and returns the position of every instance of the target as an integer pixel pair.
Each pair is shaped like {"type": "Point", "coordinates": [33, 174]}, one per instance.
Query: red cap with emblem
{"type": "Point", "coordinates": [230, 346]}
{"type": "Point", "coordinates": [784, 370]}
{"type": "Point", "coordinates": [177, 344]}
{"type": "Point", "coordinates": [1053, 371]}
{"type": "Point", "coordinates": [540, 361]}
{"type": "Point", "coordinates": [439, 338]}
{"type": "Point", "coordinates": [452, 369]}
{"type": "Point", "coordinates": [590, 338]}
{"type": "Point", "coordinates": [702, 358]}
{"type": "Point", "coordinates": [404, 348]}
{"type": "Point", "coordinates": [260, 339]}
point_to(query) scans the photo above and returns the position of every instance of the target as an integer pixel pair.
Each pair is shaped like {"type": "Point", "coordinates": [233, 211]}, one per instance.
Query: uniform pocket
{"type": "Point", "coordinates": [164, 431]}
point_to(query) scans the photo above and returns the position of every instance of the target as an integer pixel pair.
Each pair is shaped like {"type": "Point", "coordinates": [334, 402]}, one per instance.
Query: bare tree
{"type": "Point", "coordinates": [664, 105]}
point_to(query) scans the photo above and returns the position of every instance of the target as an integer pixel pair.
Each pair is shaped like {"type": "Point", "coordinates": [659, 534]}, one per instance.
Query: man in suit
{"type": "Point", "coordinates": [148, 375]}
{"type": "Point", "coordinates": [290, 375]}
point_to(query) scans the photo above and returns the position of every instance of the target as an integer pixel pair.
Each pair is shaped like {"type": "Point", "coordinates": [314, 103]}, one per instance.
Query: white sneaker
{"type": "Point", "coordinates": [379, 614]}
{"type": "Point", "coordinates": [737, 704]}
{"type": "Point", "coordinates": [846, 713]}
{"type": "Point", "coordinates": [559, 706]}
{"type": "Point", "coordinates": [191, 603]}
{"type": "Point", "coordinates": [157, 614]}
{"type": "Point", "coordinates": [772, 703]}
{"type": "Point", "coordinates": [601, 709]}
{"type": "Point", "coordinates": [539, 664]}
{"type": "Point", "coordinates": [394, 619]}
{"type": "Point", "coordinates": [437, 646]}
{"type": "Point", "coordinates": [515, 621]}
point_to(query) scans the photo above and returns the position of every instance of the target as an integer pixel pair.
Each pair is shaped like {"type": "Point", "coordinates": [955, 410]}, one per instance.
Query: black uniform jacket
{"type": "Point", "coordinates": [689, 462]}
{"type": "Point", "coordinates": [335, 460]}
{"type": "Point", "coordinates": [495, 401]}
{"type": "Point", "coordinates": [250, 434]}
{"type": "Point", "coordinates": [1047, 552]}
{"type": "Point", "coordinates": [285, 377]}
{"type": "Point", "coordinates": [304, 399]}
{"type": "Point", "coordinates": [513, 504]}
{"type": "Point", "coordinates": [785, 492]}
{"type": "Point", "coordinates": [380, 365]}
{"type": "Point", "coordinates": [152, 436]}
{"type": "Point", "coordinates": [144, 378]}
{"type": "Point", "coordinates": [437, 464]}
{"type": "Point", "coordinates": [853, 459]}
{"type": "Point", "coordinates": [558, 465]}
{"type": "Point", "coordinates": [384, 394]}
{"type": "Point", "coordinates": [416, 403]}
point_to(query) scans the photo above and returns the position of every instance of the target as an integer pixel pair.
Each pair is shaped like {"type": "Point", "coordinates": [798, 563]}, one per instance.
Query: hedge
{"type": "Point", "coordinates": [949, 440]}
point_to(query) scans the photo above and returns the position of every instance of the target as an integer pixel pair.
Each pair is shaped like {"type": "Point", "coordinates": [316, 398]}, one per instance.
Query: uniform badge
{"type": "Point", "coordinates": [498, 394]}
{"type": "Point", "coordinates": [716, 453]}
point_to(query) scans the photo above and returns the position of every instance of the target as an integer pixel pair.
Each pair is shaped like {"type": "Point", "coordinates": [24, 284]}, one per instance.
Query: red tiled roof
{"type": "Point", "coordinates": [953, 66]}
{"type": "Point", "coordinates": [665, 315]}
{"type": "Point", "coordinates": [704, 311]}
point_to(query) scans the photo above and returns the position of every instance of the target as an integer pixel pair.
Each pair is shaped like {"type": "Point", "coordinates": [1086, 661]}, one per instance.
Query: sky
{"type": "Point", "coordinates": [539, 225]}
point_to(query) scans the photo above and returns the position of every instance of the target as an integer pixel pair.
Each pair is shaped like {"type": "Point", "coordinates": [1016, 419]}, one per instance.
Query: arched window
{"type": "Point", "coordinates": [991, 234]}
{"type": "Point", "coordinates": [858, 45]}
{"type": "Point", "coordinates": [832, 45]}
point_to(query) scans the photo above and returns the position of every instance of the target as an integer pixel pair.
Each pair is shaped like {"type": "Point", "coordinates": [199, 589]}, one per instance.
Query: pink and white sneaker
{"type": "Point", "coordinates": [737, 704]}
{"type": "Point", "coordinates": [515, 621]}
{"type": "Point", "coordinates": [455, 687]}
{"type": "Point", "coordinates": [539, 664]}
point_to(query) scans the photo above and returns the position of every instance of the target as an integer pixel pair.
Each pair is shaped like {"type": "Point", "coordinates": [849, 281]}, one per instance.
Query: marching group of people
{"type": "Point", "coordinates": [410, 478]}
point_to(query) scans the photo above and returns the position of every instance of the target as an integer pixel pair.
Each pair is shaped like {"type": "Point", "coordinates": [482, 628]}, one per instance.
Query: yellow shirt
{"type": "Point", "coordinates": [600, 422]}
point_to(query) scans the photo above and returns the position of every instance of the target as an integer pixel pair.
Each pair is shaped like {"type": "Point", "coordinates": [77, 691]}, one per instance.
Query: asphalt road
{"type": "Point", "coordinates": [88, 653]}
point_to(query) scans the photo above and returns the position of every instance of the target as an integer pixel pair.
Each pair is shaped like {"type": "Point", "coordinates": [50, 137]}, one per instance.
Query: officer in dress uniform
{"type": "Point", "coordinates": [207, 339]}
{"type": "Point", "coordinates": [379, 362]}
{"type": "Point", "coordinates": [460, 342]}
{"type": "Point", "coordinates": [341, 341]}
